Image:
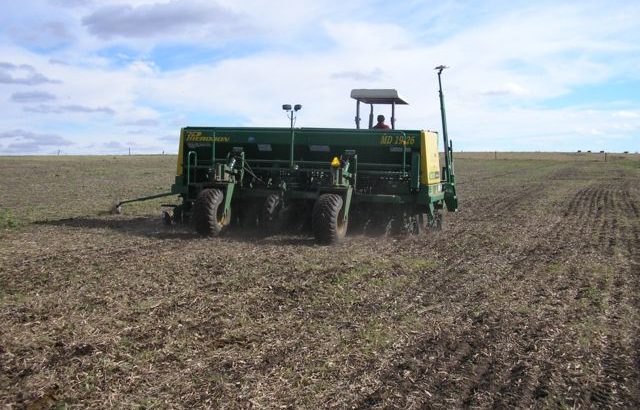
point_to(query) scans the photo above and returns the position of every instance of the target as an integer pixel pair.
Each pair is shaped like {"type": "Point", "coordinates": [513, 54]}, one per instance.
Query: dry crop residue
{"type": "Point", "coordinates": [528, 298]}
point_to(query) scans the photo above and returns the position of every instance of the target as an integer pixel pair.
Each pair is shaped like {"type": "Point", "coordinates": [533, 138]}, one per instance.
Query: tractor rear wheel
{"type": "Point", "coordinates": [271, 218]}
{"type": "Point", "coordinates": [327, 219]}
{"type": "Point", "coordinates": [208, 213]}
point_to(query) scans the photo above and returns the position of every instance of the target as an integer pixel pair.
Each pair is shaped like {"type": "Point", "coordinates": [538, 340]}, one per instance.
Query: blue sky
{"type": "Point", "coordinates": [98, 77]}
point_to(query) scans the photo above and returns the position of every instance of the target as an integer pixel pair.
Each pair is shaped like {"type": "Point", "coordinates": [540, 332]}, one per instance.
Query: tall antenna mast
{"type": "Point", "coordinates": [445, 135]}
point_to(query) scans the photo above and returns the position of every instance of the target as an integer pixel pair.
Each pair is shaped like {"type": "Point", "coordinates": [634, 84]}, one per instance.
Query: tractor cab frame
{"type": "Point", "coordinates": [385, 96]}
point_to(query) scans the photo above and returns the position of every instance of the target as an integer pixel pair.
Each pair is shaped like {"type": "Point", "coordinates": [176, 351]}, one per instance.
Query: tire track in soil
{"type": "Point", "coordinates": [470, 368]}
{"type": "Point", "coordinates": [634, 267]}
{"type": "Point", "coordinates": [528, 379]}
{"type": "Point", "coordinates": [475, 371]}
{"type": "Point", "coordinates": [456, 351]}
{"type": "Point", "coordinates": [514, 202]}
{"type": "Point", "coordinates": [507, 205]}
{"type": "Point", "coordinates": [599, 221]}
{"type": "Point", "coordinates": [522, 171]}
{"type": "Point", "coordinates": [511, 196]}
{"type": "Point", "coordinates": [618, 383]}
{"type": "Point", "coordinates": [481, 378]}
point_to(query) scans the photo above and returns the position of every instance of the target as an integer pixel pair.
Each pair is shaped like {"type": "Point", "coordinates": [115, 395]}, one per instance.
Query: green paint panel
{"type": "Point", "coordinates": [310, 144]}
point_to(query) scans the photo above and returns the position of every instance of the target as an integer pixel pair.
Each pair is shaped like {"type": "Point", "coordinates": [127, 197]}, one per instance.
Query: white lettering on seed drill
{"type": "Point", "coordinates": [264, 147]}
{"type": "Point", "coordinates": [319, 148]}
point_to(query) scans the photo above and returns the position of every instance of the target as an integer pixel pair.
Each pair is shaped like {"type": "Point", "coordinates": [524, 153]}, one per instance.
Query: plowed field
{"type": "Point", "coordinates": [530, 297]}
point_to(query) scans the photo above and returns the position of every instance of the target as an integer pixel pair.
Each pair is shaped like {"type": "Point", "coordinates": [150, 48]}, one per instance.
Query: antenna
{"type": "Point", "coordinates": [440, 68]}
{"type": "Point", "coordinates": [291, 114]}
{"type": "Point", "coordinates": [445, 136]}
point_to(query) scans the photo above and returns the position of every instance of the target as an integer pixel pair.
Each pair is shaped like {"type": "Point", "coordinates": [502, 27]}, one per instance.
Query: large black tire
{"type": "Point", "coordinates": [326, 221]}
{"type": "Point", "coordinates": [208, 213]}
{"type": "Point", "coordinates": [271, 214]}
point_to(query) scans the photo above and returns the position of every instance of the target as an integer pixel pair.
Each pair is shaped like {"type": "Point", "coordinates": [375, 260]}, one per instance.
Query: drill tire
{"type": "Point", "coordinates": [208, 218]}
{"type": "Point", "coordinates": [326, 223]}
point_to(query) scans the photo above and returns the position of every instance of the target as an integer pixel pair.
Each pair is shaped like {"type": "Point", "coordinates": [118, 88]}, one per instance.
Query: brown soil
{"type": "Point", "coordinates": [530, 297]}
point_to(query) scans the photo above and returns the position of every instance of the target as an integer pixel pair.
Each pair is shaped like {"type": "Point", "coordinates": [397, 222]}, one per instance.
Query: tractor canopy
{"type": "Point", "coordinates": [380, 96]}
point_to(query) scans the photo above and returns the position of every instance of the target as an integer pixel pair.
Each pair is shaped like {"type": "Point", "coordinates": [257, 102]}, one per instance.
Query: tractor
{"type": "Point", "coordinates": [326, 180]}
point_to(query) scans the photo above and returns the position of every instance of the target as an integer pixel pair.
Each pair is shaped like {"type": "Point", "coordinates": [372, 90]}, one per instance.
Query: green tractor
{"type": "Point", "coordinates": [331, 180]}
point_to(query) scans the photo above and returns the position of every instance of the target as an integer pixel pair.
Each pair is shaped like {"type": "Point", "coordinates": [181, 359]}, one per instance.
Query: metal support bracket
{"type": "Point", "coordinates": [348, 194]}
{"type": "Point", "coordinates": [228, 195]}
{"type": "Point", "coordinates": [118, 206]}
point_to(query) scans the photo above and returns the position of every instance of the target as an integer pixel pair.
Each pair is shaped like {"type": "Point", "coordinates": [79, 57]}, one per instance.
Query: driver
{"type": "Point", "coordinates": [381, 125]}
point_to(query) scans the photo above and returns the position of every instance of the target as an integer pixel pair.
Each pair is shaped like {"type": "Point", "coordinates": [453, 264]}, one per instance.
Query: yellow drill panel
{"type": "Point", "coordinates": [429, 158]}
{"type": "Point", "coordinates": [179, 171]}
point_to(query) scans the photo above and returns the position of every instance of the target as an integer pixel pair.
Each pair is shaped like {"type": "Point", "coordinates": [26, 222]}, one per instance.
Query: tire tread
{"type": "Point", "coordinates": [325, 215]}
{"type": "Point", "coordinates": [205, 212]}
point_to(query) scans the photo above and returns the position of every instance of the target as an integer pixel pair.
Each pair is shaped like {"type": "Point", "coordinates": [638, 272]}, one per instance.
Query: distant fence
{"type": "Point", "coordinates": [560, 156]}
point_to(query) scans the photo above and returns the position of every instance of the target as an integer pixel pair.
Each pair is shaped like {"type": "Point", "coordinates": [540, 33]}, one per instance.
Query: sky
{"type": "Point", "coordinates": [106, 77]}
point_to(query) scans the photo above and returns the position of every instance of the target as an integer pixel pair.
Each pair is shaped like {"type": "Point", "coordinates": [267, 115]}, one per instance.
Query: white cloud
{"type": "Point", "coordinates": [71, 3]}
{"type": "Point", "coordinates": [49, 34]}
{"type": "Point", "coordinates": [158, 19]}
{"type": "Point", "coordinates": [32, 97]}
{"type": "Point", "coordinates": [508, 89]}
{"type": "Point", "coordinates": [626, 114]}
{"type": "Point", "coordinates": [20, 141]}
{"type": "Point", "coordinates": [74, 108]}
{"type": "Point", "coordinates": [22, 74]}
{"type": "Point", "coordinates": [504, 65]}
{"type": "Point", "coordinates": [143, 122]}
